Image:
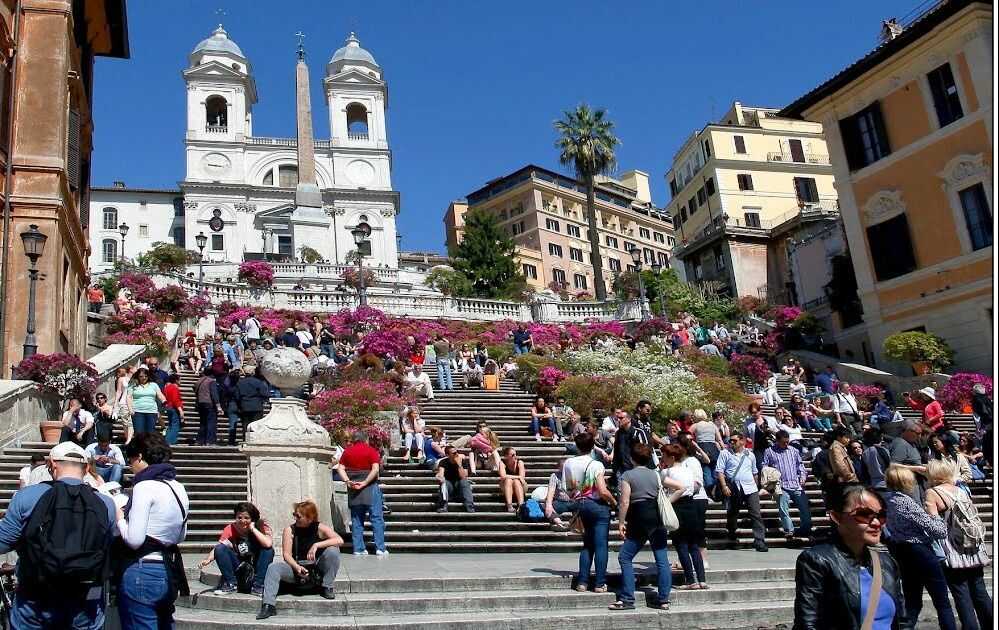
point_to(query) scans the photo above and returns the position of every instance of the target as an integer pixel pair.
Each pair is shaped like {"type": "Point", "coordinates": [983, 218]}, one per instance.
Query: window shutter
{"type": "Point", "coordinates": [879, 125]}
{"type": "Point", "coordinates": [73, 150]}
{"type": "Point", "coordinates": [851, 142]}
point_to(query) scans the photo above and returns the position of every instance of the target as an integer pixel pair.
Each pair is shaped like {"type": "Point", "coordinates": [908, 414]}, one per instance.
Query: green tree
{"type": "Point", "coordinates": [309, 255]}
{"type": "Point", "coordinates": [449, 282]}
{"type": "Point", "coordinates": [485, 257]}
{"type": "Point", "coordinates": [166, 257]}
{"type": "Point", "coordinates": [586, 142]}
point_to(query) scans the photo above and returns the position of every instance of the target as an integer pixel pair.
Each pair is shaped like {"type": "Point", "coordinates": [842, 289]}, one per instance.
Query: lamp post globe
{"type": "Point", "coordinates": [123, 230]}
{"type": "Point", "coordinates": [34, 246]}
{"type": "Point", "coordinates": [201, 240]}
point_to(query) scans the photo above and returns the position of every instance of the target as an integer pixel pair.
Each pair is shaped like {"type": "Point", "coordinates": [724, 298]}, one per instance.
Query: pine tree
{"type": "Point", "coordinates": [485, 257]}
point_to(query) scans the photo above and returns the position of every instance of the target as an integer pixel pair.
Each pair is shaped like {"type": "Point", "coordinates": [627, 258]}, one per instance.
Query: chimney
{"type": "Point", "coordinates": [118, 184]}
{"type": "Point", "coordinates": [890, 29]}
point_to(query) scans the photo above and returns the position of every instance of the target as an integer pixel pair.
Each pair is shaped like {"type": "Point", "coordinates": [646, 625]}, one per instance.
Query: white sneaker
{"type": "Point", "coordinates": [360, 553]}
{"type": "Point", "coordinates": [537, 438]}
{"type": "Point", "coordinates": [381, 552]}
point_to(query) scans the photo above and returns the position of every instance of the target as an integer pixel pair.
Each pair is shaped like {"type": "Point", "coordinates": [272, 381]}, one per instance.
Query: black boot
{"type": "Point", "coordinates": [266, 610]}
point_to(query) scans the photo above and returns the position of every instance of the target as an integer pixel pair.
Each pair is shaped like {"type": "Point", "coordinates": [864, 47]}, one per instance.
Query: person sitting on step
{"type": "Point", "coordinates": [433, 448]}
{"type": "Point", "coordinates": [485, 447]}
{"type": "Point", "coordinates": [541, 413]}
{"type": "Point", "coordinates": [452, 474]}
{"type": "Point", "coordinates": [311, 554]}
{"type": "Point", "coordinates": [244, 552]}
{"type": "Point", "coordinates": [512, 479]}
{"type": "Point", "coordinates": [412, 433]}
{"type": "Point", "coordinates": [509, 369]}
{"type": "Point", "coordinates": [418, 382]}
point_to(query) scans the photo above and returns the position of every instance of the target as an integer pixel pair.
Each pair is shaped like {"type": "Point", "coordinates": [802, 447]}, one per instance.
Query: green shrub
{"type": "Point", "coordinates": [701, 363]}
{"type": "Point", "coordinates": [499, 352]}
{"type": "Point", "coordinates": [587, 393]}
{"type": "Point", "coordinates": [918, 346]}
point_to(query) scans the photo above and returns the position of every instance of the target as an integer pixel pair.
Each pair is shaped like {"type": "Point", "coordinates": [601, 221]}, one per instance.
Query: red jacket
{"type": "Point", "coordinates": [172, 394]}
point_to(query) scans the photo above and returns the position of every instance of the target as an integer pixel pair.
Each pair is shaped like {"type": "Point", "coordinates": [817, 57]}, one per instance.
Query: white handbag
{"type": "Point", "coordinates": [666, 512]}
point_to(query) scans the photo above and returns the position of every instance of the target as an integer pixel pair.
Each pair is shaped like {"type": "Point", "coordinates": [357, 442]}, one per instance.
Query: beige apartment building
{"type": "Point", "coordinates": [743, 189]}
{"type": "Point", "coordinates": [545, 213]}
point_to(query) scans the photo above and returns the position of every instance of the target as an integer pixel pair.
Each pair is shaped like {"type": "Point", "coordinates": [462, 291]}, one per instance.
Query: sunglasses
{"type": "Point", "coordinates": [865, 516]}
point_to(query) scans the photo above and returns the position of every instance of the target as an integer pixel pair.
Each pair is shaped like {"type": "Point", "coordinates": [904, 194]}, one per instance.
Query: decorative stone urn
{"type": "Point", "coordinates": [287, 369]}
{"type": "Point", "coordinates": [288, 453]}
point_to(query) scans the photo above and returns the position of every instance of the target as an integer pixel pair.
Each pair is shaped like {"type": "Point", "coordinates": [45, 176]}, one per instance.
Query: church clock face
{"type": "Point", "coordinates": [215, 164]}
{"type": "Point", "coordinates": [216, 223]}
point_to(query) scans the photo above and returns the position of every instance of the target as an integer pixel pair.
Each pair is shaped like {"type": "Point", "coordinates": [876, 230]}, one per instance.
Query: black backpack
{"type": "Point", "coordinates": [66, 542]}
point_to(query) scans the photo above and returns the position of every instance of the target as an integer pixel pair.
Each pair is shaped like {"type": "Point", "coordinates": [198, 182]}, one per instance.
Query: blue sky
{"type": "Point", "coordinates": [474, 86]}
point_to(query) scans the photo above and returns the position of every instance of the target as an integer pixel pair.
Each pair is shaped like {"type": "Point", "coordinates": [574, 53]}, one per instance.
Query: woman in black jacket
{"type": "Point", "coordinates": [835, 579]}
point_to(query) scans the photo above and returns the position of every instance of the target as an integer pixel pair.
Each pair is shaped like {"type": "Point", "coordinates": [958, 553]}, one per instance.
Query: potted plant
{"type": "Point", "coordinates": [258, 274]}
{"type": "Point", "coordinates": [64, 375]}
{"type": "Point", "coordinates": [924, 351]}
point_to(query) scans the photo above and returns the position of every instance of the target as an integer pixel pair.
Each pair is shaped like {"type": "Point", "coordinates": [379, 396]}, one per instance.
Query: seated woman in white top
{"type": "Point", "coordinates": [154, 523]}
{"type": "Point", "coordinates": [412, 432]}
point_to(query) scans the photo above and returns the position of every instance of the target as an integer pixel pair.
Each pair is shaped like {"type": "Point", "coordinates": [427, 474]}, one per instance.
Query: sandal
{"type": "Point", "coordinates": [661, 606]}
{"type": "Point", "coordinates": [704, 586]}
{"type": "Point", "coordinates": [619, 605]}
{"type": "Point", "coordinates": [693, 586]}
{"type": "Point", "coordinates": [600, 589]}
{"type": "Point", "coordinates": [581, 588]}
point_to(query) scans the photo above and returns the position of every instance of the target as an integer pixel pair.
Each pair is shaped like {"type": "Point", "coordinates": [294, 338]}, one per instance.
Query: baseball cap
{"type": "Point", "coordinates": [68, 452]}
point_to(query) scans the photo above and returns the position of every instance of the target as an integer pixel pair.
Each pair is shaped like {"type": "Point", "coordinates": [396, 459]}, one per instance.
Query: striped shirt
{"type": "Point", "coordinates": [788, 462]}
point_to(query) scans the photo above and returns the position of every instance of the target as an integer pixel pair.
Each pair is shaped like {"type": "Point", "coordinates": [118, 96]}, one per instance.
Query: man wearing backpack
{"type": "Point", "coordinates": [62, 532]}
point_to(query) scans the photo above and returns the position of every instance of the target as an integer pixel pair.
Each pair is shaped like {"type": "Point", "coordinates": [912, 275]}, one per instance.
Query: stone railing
{"type": "Point", "coordinates": [329, 272]}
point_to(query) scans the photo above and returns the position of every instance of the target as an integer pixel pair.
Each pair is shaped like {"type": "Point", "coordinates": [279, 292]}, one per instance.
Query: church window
{"type": "Point", "coordinates": [218, 242]}
{"type": "Point", "coordinates": [288, 176]}
{"type": "Point", "coordinates": [179, 236]}
{"type": "Point", "coordinates": [110, 218]}
{"type": "Point", "coordinates": [357, 122]}
{"type": "Point", "coordinates": [362, 219]}
{"type": "Point", "coordinates": [284, 244]}
{"type": "Point", "coordinates": [144, 231]}
{"type": "Point", "coordinates": [216, 115]}
{"type": "Point", "coordinates": [109, 249]}
{"type": "Point", "coordinates": [268, 178]}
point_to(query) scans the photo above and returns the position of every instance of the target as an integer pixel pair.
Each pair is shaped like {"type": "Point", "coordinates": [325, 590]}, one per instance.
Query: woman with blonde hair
{"type": "Point", "coordinates": [964, 556]}
{"type": "Point", "coordinates": [485, 445]}
{"type": "Point", "coordinates": [913, 533]}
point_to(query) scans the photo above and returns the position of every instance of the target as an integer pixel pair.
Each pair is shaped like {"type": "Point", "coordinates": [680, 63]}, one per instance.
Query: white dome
{"type": "Point", "coordinates": [352, 53]}
{"type": "Point", "coordinates": [218, 42]}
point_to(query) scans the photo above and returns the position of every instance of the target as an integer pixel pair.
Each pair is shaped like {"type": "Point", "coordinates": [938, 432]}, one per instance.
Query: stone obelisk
{"type": "Point", "coordinates": [310, 224]}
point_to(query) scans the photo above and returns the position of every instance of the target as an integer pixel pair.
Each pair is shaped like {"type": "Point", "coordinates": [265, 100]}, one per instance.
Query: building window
{"type": "Point", "coordinates": [890, 245]}
{"type": "Point", "coordinates": [977, 216]}
{"type": "Point", "coordinates": [698, 273]}
{"type": "Point", "coordinates": [752, 219]}
{"type": "Point", "coordinates": [576, 254]}
{"type": "Point", "coordinates": [702, 196]}
{"type": "Point", "coordinates": [692, 204]}
{"type": "Point", "coordinates": [864, 137]}
{"type": "Point", "coordinates": [579, 281]}
{"type": "Point", "coordinates": [503, 215]}
{"type": "Point", "coordinates": [745, 181]}
{"type": "Point", "coordinates": [218, 243]}
{"type": "Point", "coordinates": [648, 256]}
{"type": "Point", "coordinates": [628, 246]}
{"type": "Point", "coordinates": [179, 236]}
{"type": "Point", "coordinates": [740, 144]}
{"type": "Point", "coordinates": [946, 100]}
{"type": "Point", "coordinates": [659, 237]}
{"type": "Point", "coordinates": [552, 225]}
{"type": "Point", "coordinates": [707, 149]}
{"type": "Point", "coordinates": [719, 257]}
{"type": "Point", "coordinates": [683, 214]}
{"type": "Point", "coordinates": [109, 251]}
{"type": "Point", "coordinates": [804, 188]}
{"type": "Point", "coordinates": [670, 241]}
{"type": "Point", "coordinates": [611, 241]}
{"type": "Point", "coordinates": [178, 206]}
{"type": "Point", "coordinates": [143, 231]}
{"type": "Point", "coordinates": [558, 277]}
{"type": "Point", "coordinates": [530, 272]}
{"type": "Point", "coordinates": [268, 179]}
{"type": "Point", "coordinates": [357, 122]}
{"type": "Point", "coordinates": [709, 186]}
{"type": "Point", "coordinates": [555, 250]}
{"type": "Point", "coordinates": [517, 228]}
{"type": "Point", "coordinates": [572, 230]}
{"type": "Point", "coordinates": [284, 245]}
{"type": "Point", "coordinates": [672, 187]}
{"type": "Point", "coordinates": [663, 259]}
{"type": "Point", "coordinates": [614, 264]}
{"type": "Point", "coordinates": [110, 218]}
{"type": "Point", "coordinates": [644, 233]}
{"type": "Point", "coordinates": [216, 114]}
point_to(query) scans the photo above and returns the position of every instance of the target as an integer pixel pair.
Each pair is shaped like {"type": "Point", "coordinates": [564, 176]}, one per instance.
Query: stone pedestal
{"type": "Point", "coordinates": [289, 458]}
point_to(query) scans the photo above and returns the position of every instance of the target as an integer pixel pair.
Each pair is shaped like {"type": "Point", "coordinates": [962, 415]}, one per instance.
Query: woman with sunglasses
{"type": "Point", "coordinates": [835, 579]}
{"type": "Point", "coordinates": [914, 531]}
{"type": "Point", "coordinates": [311, 554]}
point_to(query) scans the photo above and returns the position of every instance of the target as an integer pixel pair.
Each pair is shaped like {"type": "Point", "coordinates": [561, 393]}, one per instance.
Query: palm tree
{"type": "Point", "coordinates": [586, 142]}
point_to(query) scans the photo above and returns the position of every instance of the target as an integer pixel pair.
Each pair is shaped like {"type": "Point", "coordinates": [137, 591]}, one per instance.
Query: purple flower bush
{"type": "Point", "coordinates": [352, 405]}
{"type": "Point", "coordinates": [256, 273]}
{"type": "Point", "coordinates": [62, 374]}
{"type": "Point", "coordinates": [750, 368]}
{"type": "Point", "coordinates": [957, 393]}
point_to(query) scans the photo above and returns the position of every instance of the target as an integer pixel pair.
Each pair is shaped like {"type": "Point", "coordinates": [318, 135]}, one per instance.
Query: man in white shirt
{"type": "Point", "coordinates": [77, 424]}
{"type": "Point", "coordinates": [24, 475]}
{"type": "Point", "coordinates": [252, 325]}
{"type": "Point", "coordinates": [107, 458]}
{"type": "Point", "coordinates": [737, 471]}
{"type": "Point", "coordinates": [418, 381]}
{"type": "Point", "coordinates": [847, 411]}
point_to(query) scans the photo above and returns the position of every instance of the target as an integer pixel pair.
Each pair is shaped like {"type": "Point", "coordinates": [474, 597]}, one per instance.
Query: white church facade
{"type": "Point", "coordinates": [239, 190]}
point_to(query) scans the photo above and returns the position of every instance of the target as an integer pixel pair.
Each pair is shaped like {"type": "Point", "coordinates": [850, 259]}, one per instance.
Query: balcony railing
{"type": "Point", "coordinates": [357, 136]}
{"type": "Point", "coordinates": [284, 142]}
{"type": "Point", "coordinates": [216, 128]}
{"type": "Point", "coordinates": [807, 158]}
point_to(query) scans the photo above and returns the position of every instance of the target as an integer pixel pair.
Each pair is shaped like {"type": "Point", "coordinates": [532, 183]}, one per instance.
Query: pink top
{"type": "Point", "coordinates": [481, 443]}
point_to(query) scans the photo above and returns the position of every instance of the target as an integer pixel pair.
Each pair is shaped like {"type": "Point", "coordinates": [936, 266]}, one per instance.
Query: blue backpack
{"type": "Point", "coordinates": [531, 512]}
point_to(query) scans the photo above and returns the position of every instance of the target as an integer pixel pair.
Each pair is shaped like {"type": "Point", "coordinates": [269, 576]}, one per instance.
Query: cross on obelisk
{"type": "Point", "coordinates": [301, 44]}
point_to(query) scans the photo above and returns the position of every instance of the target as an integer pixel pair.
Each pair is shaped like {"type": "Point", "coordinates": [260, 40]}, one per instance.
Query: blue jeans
{"type": "Point", "coordinates": [971, 598]}
{"type": "Point", "coordinates": [920, 568]}
{"type": "Point", "coordinates": [445, 380]}
{"type": "Point", "coordinates": [374, 512]}
{"type": "Point", "coordinates": [327, 349]}
{"type": "Point", "coordinates": [804, 513]}
{"type": "Point", "coordinates": [144, 598]}
{"type": "Point", "coordinates": [173, 425]}
{"type": "Point", "coordinates": [228, 561]}
{"type": "Point", "coordinates": [232, 412]}
{"type": "Point", "coordinates": [207, 421]}
{"type": "Point", "coordinates": [519, 349]}
{"type": "Point", "coordinates": [630, 549]}
{"type": "Point", "coordinates": [822, 424]}
{"type": "Point", "coordinates": [536, 425]}
{"type": "Point", "coordinates": [144, 422]}
{"type": "Point", "coordinates": [74, 614]}
{"type": "Point", "coordinates": [596, 521]}
{"type": "Point", "coordinates": [110, 473]}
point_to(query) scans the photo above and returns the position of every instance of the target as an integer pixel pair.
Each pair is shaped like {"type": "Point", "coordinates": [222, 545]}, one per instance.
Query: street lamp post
{"type": "Point", "coordinates": [123, 230]}
{"type": "Point", "coordinates": [34, 246]}
{"type": "Point", "coordinates": [636, 257]}
{"type": "Point", "coordinates": [360, 234]}
{"type": "Point", "coordinates": [658, 269]}
{"type": "Point", "coordinates": [201, 241]}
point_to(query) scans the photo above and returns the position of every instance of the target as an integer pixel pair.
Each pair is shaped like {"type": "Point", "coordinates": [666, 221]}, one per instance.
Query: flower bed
{"type": "Point", "coordinates": [64, 375]}
{"type": "Point", "coordinates": [139, 284]}
{"type": "Point", "coordinates": [957, 393]}
{"type": "Point", "coordinates": [258, 274]}
{"type": "Point", "coordinates": [173, 301]}
{"type": "Point", "coordinates": [137, 326]}
{"type": "Point", "coordinates": [352, 405]}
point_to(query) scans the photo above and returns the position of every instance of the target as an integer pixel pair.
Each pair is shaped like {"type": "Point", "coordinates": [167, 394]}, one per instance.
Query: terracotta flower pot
{"type": "Point", "coordinates": [51, 430]}
{"type": "Point", "coordinates": [922, 367]}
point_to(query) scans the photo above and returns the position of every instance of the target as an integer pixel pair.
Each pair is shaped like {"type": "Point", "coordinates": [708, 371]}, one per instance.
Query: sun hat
{"type": "Point", "coordinates": [68, 452]}
{"type": "Point", "coordinates": [929, 392]}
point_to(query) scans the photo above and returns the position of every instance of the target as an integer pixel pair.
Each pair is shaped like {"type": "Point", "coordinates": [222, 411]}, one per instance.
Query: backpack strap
{"type": "Point", "coordinates": [874, 598]}
{"type": "Point", "coordinates": [183, 512]}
